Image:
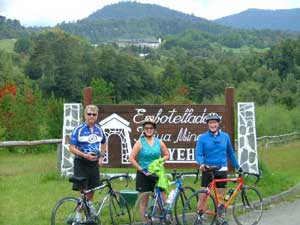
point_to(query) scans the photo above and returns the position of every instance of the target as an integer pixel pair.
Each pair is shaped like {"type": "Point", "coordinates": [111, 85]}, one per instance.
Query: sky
{"type": "Point", "coordinates": [51, 12]}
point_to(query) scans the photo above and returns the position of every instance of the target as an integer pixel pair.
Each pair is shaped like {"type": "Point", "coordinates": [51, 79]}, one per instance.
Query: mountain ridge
{"type": "Point", "coordinates": [134, 10]}
{"type": "Point", "coordinates": [279, 19]}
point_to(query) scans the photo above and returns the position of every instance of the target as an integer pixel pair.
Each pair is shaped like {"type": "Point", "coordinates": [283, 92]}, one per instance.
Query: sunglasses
{"type": "Point", "coordinates": [91, 114]}
{"type": "Point", "coordinates": [148, 128]}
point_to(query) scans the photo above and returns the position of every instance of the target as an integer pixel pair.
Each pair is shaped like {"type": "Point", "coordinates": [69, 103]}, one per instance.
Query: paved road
{"type": "Point", "coordinates": [284, 213]}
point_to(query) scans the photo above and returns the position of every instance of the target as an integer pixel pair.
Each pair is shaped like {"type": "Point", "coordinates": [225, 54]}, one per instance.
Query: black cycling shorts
{"type": "Point", "coordinates": [207, 178]}
{"type": "Point", "coordinates": [88, 169]}
{"type": "Point", "coordinates": [145, 183]}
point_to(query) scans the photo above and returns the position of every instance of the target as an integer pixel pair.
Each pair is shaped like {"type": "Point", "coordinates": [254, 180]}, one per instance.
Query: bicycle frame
{"type": "Point", "coordinates": [159, 202]}
{"type": "Point", "coordinates": [83, 199]}
{"type": "Point", "coordinates": [213, 188]}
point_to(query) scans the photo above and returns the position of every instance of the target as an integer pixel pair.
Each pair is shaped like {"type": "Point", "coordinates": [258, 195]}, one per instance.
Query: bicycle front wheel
{"type": "Point", "coordinates": [119, 209]}
{"type": "Point", "coordinates": [248, 206]}
{"type": "Point", "coordinates": [66, 211]}
{"type": "Point", "coordinates": [199, 209]}
{"type": "Point", "coordinates": [181, 198]}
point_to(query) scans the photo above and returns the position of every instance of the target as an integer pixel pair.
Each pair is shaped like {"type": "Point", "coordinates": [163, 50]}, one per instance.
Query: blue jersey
{"type": "Point", "coordinates": [85, 140]}
{"type": "Point", "coordinates": [149, 153]}
{"type": "Point", "coordinates": [213, 150]}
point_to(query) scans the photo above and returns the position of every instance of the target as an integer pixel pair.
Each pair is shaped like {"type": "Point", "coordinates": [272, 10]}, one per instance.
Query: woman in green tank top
{"type": "Point", "coordinates": [147, 149]}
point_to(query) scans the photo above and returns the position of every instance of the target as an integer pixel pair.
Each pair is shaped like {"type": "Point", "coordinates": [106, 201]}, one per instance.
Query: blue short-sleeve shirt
{"type": "Point", "coordinates": [88, 141]}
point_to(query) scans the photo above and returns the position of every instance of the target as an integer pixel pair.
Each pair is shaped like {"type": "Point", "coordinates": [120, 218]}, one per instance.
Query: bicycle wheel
{"type": "Point", "coordinates": [119, 209]}
{"type": "Point", "coordinates": [181, 198]}
{"type": "Point", "coordinates": [66, 211]}
{"type": "Point", "coordinates": [248, 206]}
{"type": "Point", "coordinates": [192, 214]}
{"type": "Point", "coordinates": [143, 208]}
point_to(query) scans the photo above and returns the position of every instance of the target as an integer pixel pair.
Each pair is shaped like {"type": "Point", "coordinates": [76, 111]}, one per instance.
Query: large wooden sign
{"type": "Point", "coordinates": [177, 125]}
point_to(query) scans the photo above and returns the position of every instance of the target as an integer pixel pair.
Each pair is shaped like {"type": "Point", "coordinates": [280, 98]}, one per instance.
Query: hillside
{"type": "Point", "coordinates": [134, 10]}
{"type": "Point", "coordinates": [11, 28]}
{"type": "Point", "coordinates": [287, 19]}
{"type": "Point", "coordinates": [132, 20]}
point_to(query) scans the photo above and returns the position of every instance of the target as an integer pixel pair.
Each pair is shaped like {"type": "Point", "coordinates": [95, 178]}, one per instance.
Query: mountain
{"type": "Point", "coordinates": [284, 19]}
{"type": "Point", "coordinates": [132, 20]}
{"type": "Point", "coordinates": [134, 10]}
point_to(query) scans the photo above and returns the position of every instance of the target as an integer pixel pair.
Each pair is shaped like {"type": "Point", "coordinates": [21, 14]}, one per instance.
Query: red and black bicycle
{"type": "Point", "coordinates": [245, 202]}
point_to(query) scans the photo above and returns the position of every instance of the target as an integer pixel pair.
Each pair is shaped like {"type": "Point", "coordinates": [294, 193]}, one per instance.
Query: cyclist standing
{"type": "Point", "coordinates": [88, 144]}
{"type": "Point", "coordinates": [147, 149]}
{"type": "Point", "coordinates": [212, 149]}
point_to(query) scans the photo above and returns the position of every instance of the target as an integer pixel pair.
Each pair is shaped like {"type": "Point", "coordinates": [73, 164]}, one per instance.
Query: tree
{"type": "Point", "coordinates": [23, 45]}
{"type": "Point", "coordinates": [9, 73]}
{"type": "Point", "coordinates": [57, 62]}
{"type": "Point", "coordinates": [102, 91]}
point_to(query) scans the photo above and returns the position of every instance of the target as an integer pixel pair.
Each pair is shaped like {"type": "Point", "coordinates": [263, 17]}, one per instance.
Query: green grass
{"type": "Point", "coordinates": [7, 44]}
{"type": "Point", "coordinates": [243, 50]}
{"type": "Point", "coordinates": [30, 183]}
{"type": "Point", "coordinates": [280, 167]}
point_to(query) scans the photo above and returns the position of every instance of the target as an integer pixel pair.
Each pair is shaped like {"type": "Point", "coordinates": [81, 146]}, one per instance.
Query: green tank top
{"type": "Point", "coordinates": [148, 153]}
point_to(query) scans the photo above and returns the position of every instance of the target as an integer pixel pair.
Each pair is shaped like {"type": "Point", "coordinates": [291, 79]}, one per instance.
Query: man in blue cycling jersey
{"type": "Point", "coordinates": [212, 149]}
{"type": "Point", "coordinates": [88, 144]}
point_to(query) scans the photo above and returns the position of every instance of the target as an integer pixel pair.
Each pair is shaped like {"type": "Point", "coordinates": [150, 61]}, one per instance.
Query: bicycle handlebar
{"type": "Point", "coordinates": [176, 175]}
{"type": "Point", "coordinates": [243, 173]}
{"type": "Point", "coordinates": [240, 173]}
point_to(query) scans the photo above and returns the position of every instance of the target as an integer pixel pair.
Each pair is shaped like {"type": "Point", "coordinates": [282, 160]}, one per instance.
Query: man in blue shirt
{"type": "Point", "coordinates": [88, 144]}
{"type": "Point", "coordinates": [212, 149]}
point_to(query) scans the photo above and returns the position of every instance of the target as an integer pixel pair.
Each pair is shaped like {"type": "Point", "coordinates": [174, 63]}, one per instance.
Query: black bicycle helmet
{"type": "Point", "coordinates": [149, 120]}
{"type": "Point", "coordinates": [212, 116]}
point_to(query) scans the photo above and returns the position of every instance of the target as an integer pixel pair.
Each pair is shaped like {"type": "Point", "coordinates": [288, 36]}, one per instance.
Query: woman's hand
{"type": "Point", "coordinates": [145, 172]}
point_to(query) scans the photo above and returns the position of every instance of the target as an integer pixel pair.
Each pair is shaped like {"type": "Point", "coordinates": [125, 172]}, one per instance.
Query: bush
{"type": "Point", "coordinates": [276, 120]}
{"type": "Point", "coordinates": [24, 115]}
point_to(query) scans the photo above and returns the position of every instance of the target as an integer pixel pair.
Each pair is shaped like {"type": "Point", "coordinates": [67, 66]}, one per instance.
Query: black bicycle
{"type": "Point", "coordinates": [76, 211]}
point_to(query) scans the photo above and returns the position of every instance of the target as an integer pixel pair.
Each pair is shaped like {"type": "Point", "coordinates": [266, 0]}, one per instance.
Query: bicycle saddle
{"type": "Point", "coordinates": [212, 168]}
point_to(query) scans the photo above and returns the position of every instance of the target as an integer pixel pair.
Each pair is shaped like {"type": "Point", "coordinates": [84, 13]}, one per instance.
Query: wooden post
{"type": "Point", "coordinates": [87, 96]}
{"type": "Point", "coordinates": [229, 117]}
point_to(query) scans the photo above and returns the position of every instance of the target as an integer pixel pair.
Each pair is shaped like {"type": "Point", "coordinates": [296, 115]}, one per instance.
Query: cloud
{"type": "Point", "coordinates": [4, 5]}
{"type": "Point", "coordinates": [51, 12]}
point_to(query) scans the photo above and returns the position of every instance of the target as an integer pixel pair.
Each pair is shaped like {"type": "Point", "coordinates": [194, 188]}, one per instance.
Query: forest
{"type": "Point", "coordinates": [48, 67]}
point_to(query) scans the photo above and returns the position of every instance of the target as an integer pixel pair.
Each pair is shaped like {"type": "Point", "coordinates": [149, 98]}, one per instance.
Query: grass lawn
{"type": "Point", "coordinates": [243, 50]}
{"type": "Point", "coordinates": [7, 44]}
{"type": "Point", "coordinates": [30, 183]}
